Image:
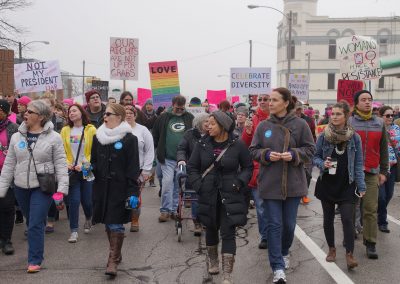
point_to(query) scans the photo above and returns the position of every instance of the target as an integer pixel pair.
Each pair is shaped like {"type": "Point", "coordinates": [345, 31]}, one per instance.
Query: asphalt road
{"type": "Point", "coordinates": [154, 255]}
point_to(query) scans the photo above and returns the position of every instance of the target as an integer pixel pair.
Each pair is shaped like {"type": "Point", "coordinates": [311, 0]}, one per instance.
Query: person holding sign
{"type": "Point", "coordinates": [341, 180]}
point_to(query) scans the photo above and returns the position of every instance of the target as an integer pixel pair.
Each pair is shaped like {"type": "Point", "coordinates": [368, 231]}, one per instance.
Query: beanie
{"type": "Point", "coordinates": [223, 119]}
{"type": "Point", "coordinates": [195, 101]}
{"type": "Point", "coordinates": [90, 93]}
{"type": "Point", "coordinates": [24, 100]}
{"type": "Point", "coordinates": [359, 93]}
{"type": "Point", "coordinates": [148, 102]}
{"type": "Point", "coordinates": [5, 106]}
{"type": "Point", "coordinates": [243, 109]}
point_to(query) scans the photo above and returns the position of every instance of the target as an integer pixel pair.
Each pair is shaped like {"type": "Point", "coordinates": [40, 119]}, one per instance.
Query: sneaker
{"type": "Point", "coordinates": [87, 226]}
{"type": "Point", "coordinates": [384, 228]}
{"type": "Point", "coordinates": [164, 217]}
{"type": "Point", "coordinates": [252, 205]}
{"type": "Point", "coordinates": [305, 200]}
{"type": "Point", "coordinates": [8, 248]}
{"type": "Point", "coordinates": [197, 229]}
{"type": "Point", "coordinates": [19, 218]}
{"type": "Point", "coordinates": [263, 244]}
{"type": "Point", "coordinates": [33, 268]}
{"type": "Point", "coordinates": [152, 184]}
{"type": "Point", "coordinates": [73, 238]}
{"type": "Point", "coordinates": [287, 261]}
{"type": "Point", "coordinates": [49, 229]}
{"type": "Point", "coordinates": [279, 276]}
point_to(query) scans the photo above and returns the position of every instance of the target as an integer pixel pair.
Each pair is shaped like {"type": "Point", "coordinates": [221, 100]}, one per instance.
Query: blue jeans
{"type": "Point", "coordinates": [34, 205]}
{"type": "Point", "coordinates": [385, 195]}
{"type": "Point", "coordinates": [261, 218]}
{"type": "Point", "coordinates": [159, 173]}
{"type": "Point", "coordinates": [170, 193]}
{"type": "Point", "coordinates": [81, 192]}
{"type": "Point", "coordinates": [281, 222]}
{"type": "Point", "coordinates": [116, 228]}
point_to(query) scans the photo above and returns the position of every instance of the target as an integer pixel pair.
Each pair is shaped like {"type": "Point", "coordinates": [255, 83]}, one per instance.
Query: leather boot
{"type": "Point", "coordinates": [135, 221]}
{"type": "Point", "coordinates": [227, 266]}
{"type": "Point", "coordinates": [212, 259]}
{"type": "Point", "coordinates": [331, 257]}
{"type": "Point", "coordinates": [351, 262]}
{"type": "Point", "coordinates": [116, 240]}
{"type": "Point", "coordinates": [108, 236]}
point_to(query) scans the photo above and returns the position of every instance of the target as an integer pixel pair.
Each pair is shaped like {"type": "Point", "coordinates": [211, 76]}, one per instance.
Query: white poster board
{"type": "Point", "coordinates": [37, 76]}
{"type": "Point", "coordinates": [298, 86]}
{"type": "Point", "coordinates": [124, 58]}
{"type": "Point", "coordinates": [249, 81]}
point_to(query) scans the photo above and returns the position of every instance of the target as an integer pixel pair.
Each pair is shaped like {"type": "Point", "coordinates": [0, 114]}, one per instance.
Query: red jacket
{"type": "Point", "coordinates": [257, 118]}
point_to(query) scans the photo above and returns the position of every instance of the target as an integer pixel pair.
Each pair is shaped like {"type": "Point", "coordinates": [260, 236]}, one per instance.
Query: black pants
{"type": "Point", "coordinates": [227, 232]}
{"type": "Point", "coordinates": [7, 215]}
{"type": "Point", "coordinates": [347, 215]}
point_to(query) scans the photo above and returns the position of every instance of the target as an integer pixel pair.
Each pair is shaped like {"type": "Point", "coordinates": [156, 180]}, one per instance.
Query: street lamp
{"type": "Point", "coordinates": [289, 45]}
{"type": "Point", "coordinates": [20, 46]}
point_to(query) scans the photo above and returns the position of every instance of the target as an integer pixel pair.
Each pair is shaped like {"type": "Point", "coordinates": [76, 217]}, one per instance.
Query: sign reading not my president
{"type": "Point", "coordinates": [249, 81]}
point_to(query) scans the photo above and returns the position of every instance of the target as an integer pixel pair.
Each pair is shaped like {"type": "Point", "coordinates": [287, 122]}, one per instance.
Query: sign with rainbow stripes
{"type": "Point", "coordinates": [164, 80]}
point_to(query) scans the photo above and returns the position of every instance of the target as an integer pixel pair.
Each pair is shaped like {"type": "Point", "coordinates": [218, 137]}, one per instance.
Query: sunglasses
{"type": "Point", "coordinates": [31, 111]}
{"type": "Point", "coordinates": [180, 108]}
{"type": "Point", "coordinates": [109, 113]}
{"type": "Point", "coordinates": [263, 99]}
{"type": "Point", "coordinates": [389, 115]}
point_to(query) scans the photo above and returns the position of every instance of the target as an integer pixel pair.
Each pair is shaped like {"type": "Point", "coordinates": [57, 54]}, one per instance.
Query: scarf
{"type": "Point", "coordinates": [363, 115]}
{"type": "Point", "coordinates": [338, 136]}
{"type": "Point", "coordinates": [108, 136]}
{"type": "Point", "coordinates": [3, 124]}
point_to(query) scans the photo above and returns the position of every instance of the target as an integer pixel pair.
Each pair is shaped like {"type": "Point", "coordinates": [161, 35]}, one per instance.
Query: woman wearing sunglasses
{"type": "Point", "coordinates": [115, 162]}
{"type": "Point", "coordinates": [386, 189]}
{"type": "Point", "coordinates": [341, 180]}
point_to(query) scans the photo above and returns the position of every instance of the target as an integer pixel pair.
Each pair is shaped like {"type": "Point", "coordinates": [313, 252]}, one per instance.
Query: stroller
{"type": "Point", "coordinates": [185, 195]}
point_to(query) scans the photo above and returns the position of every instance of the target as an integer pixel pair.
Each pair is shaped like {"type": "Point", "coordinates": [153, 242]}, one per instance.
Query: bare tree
{"type": "Point", "coordinates": [9, 30]}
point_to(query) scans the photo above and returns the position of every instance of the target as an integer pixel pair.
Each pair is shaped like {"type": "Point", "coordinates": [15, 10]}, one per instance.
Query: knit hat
{"type": "Point", "coordinates": [5, 106]}
{"type": "Point", "coordinates": [223, 119]}
{"type": "Point", "coordinates": [359, 93]}
{"type": "Point", "coordinates": [195, 101]}
{"type": "Point", "coordinates": [90, 93]}
{"type": "Point", "coordinates": [242, 109]}
{"type": "Point", "coordinates": [24, 100]}
{"type": "Point", "coordinates": [148, 102]}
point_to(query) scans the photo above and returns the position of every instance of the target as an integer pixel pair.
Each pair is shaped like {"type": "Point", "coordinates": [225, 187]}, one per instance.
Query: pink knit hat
{"type": "Point", "coordinates": [24, 100]}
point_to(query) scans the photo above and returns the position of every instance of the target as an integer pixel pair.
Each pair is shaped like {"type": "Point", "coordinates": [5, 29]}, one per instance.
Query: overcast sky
{"type": "Point", "coordinates": [207, 37]}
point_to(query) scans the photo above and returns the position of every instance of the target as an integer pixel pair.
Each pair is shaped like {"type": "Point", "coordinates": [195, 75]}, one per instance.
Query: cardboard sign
{"type": "Point", "coordinates": [143, 95]}
{"type": "Point", "coordinates": [102, 88]}
{"type": "Point", "coordinates": [359, 58]}
{"type": "Point", "coordinates": [298, 86]}
{"type": "Point", "coordinates": [6, 71]}
{"type": "Point", "coordinates": [215, 97]}
{"type": "Point", "coordinates": [250, 81]}
{"type": "Point", "coordinates": [347, 88]}
{"type": "Point", "coordinates": [124, 58]}
{"type": "Point", "coordinates": [164, 79]}
{"type": "Point", "coordinates": [39, 76]}
{"type": "Point", "coordinates": [235, 99]}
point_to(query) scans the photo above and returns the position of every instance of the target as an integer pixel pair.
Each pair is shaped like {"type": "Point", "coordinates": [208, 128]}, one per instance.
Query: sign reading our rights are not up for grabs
{"type": "Point", "coordinates": [250, 81]}
{"type": "Point", "coordinates": [124, 58]}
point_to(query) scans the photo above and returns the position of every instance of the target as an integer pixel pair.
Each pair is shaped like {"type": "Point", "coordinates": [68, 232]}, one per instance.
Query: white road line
{"type": "Point", "coordinates": [334, 271]}
{"type": "Point", "coordinates": [394, 220]}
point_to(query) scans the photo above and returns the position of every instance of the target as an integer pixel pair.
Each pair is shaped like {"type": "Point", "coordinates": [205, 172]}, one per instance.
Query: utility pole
{"type": "Point", "coordinates": [289, 46]}
{"type": "Point", "coordinates": [251, 52]}
{"type": "Point", "coordinates": [308, 54]}
{"type": "Point", "coordinates": [83, 79]}
{"type": "Point", "coordinates": [20, 51]}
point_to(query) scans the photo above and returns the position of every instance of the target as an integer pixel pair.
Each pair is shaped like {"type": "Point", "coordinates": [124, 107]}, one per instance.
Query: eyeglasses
{"type": "Point", "coordinates": [31, 111]}
{"type": "Point", "coordinates": [109, 113]}
{"type": "Point", "coordinates": [263, 99]}
{"type": "Point", "coordinates": [389, 115]}
{"type": "Point", "coordinates": [94, 98]}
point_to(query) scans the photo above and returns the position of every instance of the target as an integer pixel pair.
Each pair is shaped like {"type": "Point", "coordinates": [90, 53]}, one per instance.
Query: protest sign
{"type": "Point", "coordinates": [250, 81]}
{"type": "Point", "coordinates": [215, 97]}
{"type": "Point", "coordinates": [359, 58]}
{"type": "Point", "coordinates": [164, 79]}
{"type": "Point", "coordinates": [320, 128]}
{"type": "Point", "coordinates": [124, 58]}
{"type": "Point", "coordinates": [347, 88]}
{"type": "Point", "coordinates": [235, 99]}
{"type": "Point", "coordinates": [39, 76]}
{"type": "Point", "coordinates": [6, 72]}
{"type": "Point", "coordinates": [143, 95]}
{"type": "Point", "coordinates": [196, 110]}
{"type": "Point", "coordinates": [298, 86]}
{"type": "Point", "coordinates": [102, 88]}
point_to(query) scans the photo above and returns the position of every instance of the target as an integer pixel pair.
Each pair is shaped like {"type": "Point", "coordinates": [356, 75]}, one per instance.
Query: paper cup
{"type": "Point", "coordinates": [332, 169]}
{"type": "Point", "coordinates": [58, 198]}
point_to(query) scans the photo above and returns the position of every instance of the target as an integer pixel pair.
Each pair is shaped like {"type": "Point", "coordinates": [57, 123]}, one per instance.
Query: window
{"type": "Point", "coordinates": [294, 18]}
{"type": "Point", "coordinates": [293, 50]}
{"type": "Point", "coordinates": [331, 81]}
{"type": "Point", "coordinates": [381, 83]}
{"type": "Point", "coordinates": [332, 49]}
{"type": "Point", "coordinates": [383, 46]}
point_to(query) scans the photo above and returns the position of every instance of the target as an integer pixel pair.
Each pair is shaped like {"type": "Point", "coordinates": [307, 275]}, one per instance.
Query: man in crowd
{"type": "Point", "coordinates": [12, 100]}
{"type": "Point", "coordinates": [149, 114]}
{"type": "Point", "coordinates": [95, 108]}
{"type": "Point", "coordinates": [168, 131]}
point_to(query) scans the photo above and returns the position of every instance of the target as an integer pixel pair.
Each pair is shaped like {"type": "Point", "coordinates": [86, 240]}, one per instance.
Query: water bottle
{"type": "Point", "coordinates": [87, 171]}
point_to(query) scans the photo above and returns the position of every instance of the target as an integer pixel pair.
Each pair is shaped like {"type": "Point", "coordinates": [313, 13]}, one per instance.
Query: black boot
{"type": "Point", "coordinates": [8, 248]}
{"type": "Point", "coordinates": [19, 218]}
{"type": "Point", "coordinates": [371, 250]}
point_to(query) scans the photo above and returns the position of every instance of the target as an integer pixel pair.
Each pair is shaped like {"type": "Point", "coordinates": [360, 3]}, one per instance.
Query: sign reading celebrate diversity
{"type": "Point", "coordinates": [347, 88]}
{"type": "Point", "coordinates": [298, 86]}
{"type": "Point", "coordinates": [250, 81]}
{"type": "Point", "coordinates": [359, 58]}
{"type": "Point", "coordinates": [164, 79]}
{"type": "Point", "coordinates": [124, 57]}
{"type": "Point", "coordinates": [37, 76]}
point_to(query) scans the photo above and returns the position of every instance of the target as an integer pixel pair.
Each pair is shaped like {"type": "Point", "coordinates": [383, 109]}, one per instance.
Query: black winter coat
{"type": "Point", "coordinates": [186, 146]}
{"type": "Point", "coordinates": [221, 180]}
{"type": "Point", "coordinates": [116, 173]}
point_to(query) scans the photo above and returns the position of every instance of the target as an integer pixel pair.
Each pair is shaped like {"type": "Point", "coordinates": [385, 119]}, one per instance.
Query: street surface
{"type": "Point", "coordinates": [154, 255]}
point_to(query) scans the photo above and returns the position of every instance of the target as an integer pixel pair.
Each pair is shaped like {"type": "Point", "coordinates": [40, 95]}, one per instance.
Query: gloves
{"type": "Point", "coordinates": [132, 202]}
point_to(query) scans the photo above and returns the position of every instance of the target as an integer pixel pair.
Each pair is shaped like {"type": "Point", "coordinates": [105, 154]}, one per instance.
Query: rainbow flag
{"type": "Point", "coordinates": [164, 79]}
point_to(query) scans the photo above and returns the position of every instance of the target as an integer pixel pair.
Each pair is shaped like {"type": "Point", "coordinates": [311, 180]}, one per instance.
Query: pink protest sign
{"type": "Point", "coordinates": [143, 95]}
{"type": "Point", "coordinates": [215, 97]}
{"type": "Point", "coordinates": [235, 99]}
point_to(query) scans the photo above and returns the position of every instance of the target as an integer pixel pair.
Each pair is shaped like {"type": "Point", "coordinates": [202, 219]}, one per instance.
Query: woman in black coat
{"type": "Point", "coordinates": [222, 204]}
{"type": "Point", "coordinates": [115, 161]}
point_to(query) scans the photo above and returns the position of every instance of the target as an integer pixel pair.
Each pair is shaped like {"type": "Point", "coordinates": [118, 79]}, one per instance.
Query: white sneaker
{"type": "Point", "coordinates": [87, 226]}
{"type": "Point", "coordinates": [287, 261]}
{"type": "Point", "coordinates": [279, 276]}
{"type": "Point", "coordinates": [73, 238]}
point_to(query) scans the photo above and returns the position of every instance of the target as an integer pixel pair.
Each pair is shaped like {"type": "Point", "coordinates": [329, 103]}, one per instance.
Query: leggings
{"type": "Point", "coordinates": [347, 215]}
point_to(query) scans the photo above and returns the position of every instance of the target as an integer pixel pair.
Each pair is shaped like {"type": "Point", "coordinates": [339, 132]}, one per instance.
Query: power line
{"type": "Point", "coordinates": [213, 52]}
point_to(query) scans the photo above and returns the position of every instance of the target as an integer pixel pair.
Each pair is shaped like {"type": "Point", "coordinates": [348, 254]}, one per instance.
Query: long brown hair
{"type": "Point", "coordinates": [85, 117]}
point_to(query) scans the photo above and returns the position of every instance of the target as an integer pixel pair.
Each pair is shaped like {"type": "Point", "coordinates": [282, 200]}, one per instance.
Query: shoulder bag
{"type": "Point", "coordinates": [75, 176]}
{"type": "Point", "coordinates": [216, 161]}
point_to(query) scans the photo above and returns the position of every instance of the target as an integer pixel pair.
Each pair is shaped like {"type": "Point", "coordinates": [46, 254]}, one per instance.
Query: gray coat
{"type": "Point", "coordinates": [279, 180]}
{"type": "Point", "coordinates": [49, 156]}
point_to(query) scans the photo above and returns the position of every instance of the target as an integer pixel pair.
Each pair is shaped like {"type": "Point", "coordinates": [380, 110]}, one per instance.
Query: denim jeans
{"type": "Point", "coordinates": [170, 193]}
{"type": "Point", "coordinates": [79, 193]}
{"type": "Point", "coordinates": [116, 228]}
{"type": "Point", "coordinates": [159, 173]}
{"type": "Point", "coordinates": [261, 218]}
{"type": "Point", "coordinates": [34, 205]}
{"type": "Point", "coordinates": [385, 195]}
{"type": "Point", "coordinates": [281, 222]}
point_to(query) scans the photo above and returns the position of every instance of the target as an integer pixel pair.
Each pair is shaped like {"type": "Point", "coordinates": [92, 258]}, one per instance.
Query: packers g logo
{"type": "Point", "coordinates": [178, 127]}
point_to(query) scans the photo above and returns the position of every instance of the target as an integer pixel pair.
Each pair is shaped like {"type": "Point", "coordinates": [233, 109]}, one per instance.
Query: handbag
{"type": "Point", "coordinates": [75, 176]}
{"type": "Point", "coordinates": [47, 181]}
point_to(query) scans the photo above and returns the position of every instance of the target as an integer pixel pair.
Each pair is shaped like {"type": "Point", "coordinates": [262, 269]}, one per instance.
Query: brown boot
{"type": "Point", "coordinates": [331, 257]}
{"type": "Point", "coordinates": [212, 259]}
{"type": "Point", "coordinates": [227, 266]}
{"type": "Point", "coordinates": [135, 221]}
{"type": "Point", "coordinates": [108, 236]}
{"type": "Point", "coordinates": [351, 262]}
{"type": "Point", "coordinates": [164, 217]}
{"type": "Point", "coordinates": [116, 240]}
